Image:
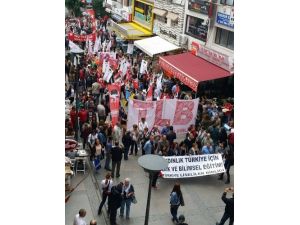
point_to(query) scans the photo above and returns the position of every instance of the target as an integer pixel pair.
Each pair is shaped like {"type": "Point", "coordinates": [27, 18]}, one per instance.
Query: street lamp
{"type": "Point", "coordinates": [151, 164]}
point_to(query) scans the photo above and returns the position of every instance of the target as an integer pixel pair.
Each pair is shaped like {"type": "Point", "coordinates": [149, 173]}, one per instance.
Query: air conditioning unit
{"type": "Point", "coordinates": [183, 40]}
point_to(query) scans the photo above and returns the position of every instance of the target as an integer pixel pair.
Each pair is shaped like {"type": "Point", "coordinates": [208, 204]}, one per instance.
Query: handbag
{"type": "Point", "coordinates": [134, 201]}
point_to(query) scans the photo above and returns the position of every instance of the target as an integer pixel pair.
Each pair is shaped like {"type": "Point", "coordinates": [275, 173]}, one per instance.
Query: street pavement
{"type": "Point", "coordinates": [202, 196]}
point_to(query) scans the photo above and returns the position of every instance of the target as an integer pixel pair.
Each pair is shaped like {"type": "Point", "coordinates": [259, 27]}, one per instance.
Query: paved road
{"type": "Point", "coordinates": [203, 205]}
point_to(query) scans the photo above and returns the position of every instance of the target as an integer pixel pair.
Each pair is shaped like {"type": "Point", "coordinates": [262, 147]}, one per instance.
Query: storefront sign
{"type": "Point", "coordinates": [225, 16]}
{"type": "Point", "coordinates": [199, 6]}
{"type": "Point", "coordinates": [214, 57]}
{"type": "Point", "coordinates": [170, 34]}
{"type": "Point", "coordinates": [178, 113]}
{"type": "Point", "coordinates": [193, 166]}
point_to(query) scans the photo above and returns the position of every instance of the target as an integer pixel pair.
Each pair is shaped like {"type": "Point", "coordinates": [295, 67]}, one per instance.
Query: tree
{"type": "Point", "coordinates": [98, 7]}
{"type": "Point", "coordinates": [74, 6]}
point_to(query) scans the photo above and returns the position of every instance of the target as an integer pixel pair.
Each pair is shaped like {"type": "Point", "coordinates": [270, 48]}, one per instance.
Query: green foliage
{"type": "Point", "coordinates": [98, 7]}
{"type": "Point", "coordinates": [74, 6]}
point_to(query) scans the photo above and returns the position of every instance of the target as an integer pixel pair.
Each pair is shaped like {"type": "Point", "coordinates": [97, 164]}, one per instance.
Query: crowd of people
{"type": "Point", "coordinates": [90, 115]}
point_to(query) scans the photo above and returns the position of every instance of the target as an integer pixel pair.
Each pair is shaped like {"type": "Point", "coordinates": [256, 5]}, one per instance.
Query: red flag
{"type": "Point", "coordinates": [135, 84]}
{"type": "Point", "coordinates": [149, 93]}
{"type": "Point", "coordinates": [114, 101]}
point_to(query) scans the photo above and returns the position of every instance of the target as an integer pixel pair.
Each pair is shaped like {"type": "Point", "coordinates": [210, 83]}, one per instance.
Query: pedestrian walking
{"type": "Point", "coordinates": [229, 161]}
{"type": "Point", "coordinates": [108, 154]}
{"type": "Point", "coordinates": [176, 199]}
{"type": "Point", "coordinates": [135, 138]}
{"type": "Point", "coordinates": [127, 195]}
{"type": "Point", "coordinates": [181, 219]}
{"type": "Point", "coordinates": [78, 220]}
{"type": "Point", "coordinates": [91, 142]}
{"type": "Point", "coordinates": [149, 146]}
{"type": "Point", "coordinates": [114, 202]}
{"type": "Point", "coordinates": [106, 186]}
{"type": "Point", "coordinates": [116, 156]}
{"type": "Point", "coordinates": [127, 143]}
{"type": "Point", "coordinates": [229, 208]}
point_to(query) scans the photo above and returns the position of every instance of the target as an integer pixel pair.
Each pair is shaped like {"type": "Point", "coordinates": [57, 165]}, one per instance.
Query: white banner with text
{"type": "Point", "coordinates": [193, 166]}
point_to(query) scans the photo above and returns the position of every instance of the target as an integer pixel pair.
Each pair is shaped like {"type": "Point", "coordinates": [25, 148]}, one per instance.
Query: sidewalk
{"type": "Point", "coordinates": [86, 196]}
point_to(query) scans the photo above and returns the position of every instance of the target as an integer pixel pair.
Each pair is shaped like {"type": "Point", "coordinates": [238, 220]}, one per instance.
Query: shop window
{"type": "Point", "coordinates": [161, 19]}
{"type": "Point", "coordinates": [225, 38]}
{"type": "Point", "coordinates": [196, 28]}
{"type": "Point", "coordinates": [227, 2]}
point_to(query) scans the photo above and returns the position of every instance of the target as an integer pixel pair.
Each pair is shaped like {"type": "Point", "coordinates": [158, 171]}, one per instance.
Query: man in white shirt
{"type": "Point", "coordinates": [117, 133]}
{"type": "Point", "coordinates": [78, 220]}
{"type": "Point", "coordinates": [143, 124]}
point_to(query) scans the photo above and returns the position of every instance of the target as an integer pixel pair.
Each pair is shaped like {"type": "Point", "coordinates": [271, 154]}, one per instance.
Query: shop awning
{"type": "Point", "coordinates": [155, 45]}
{"type": "Point", "coordinates": [159, 12]}
{"type": "Point", "coordinates": [191, 69]}
{"type": "Point", "coordinates": [117, 17]}
{"type": "Point", "coordinates": [130, 31]}
{"type": "Point", "coordinates": [172, 16]}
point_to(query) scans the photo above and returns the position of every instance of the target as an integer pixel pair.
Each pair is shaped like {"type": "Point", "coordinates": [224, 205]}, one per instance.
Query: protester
{"type": "Point", "coordinates": [149, 148]}
{"type": "Point", "coordinates": [127, 194]}
{"type": "Point", "coordinates": [114, 202]}
{"type": "Point", "coordinates": [116, 156]}
{"type": "Point", "coordinates": [108, 154]}
{"type": "Point", "coordinates": [229, 208]}
{"type": "Point", "coordinates": [229, 161]}
{"type": "Point", "coordinates": [127, 140]}
{"type": "Point", "coordinates": [135, 138]}
{"type": "Point", "coordinates": [106, 186]}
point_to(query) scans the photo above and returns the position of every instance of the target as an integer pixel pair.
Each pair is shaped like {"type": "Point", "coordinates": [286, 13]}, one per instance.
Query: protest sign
{"type": "Point", "coordinates": [114, 101]}
{"type": "Point", "coordinates": [130, 49]}
{"type": "Point", "coordinates": [193, 166]}
{"type": "Point", "coordinates": [143, 67]}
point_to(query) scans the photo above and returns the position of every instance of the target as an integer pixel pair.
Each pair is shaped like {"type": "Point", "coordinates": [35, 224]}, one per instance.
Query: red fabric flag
{"type": "Point", "coordinates": [114, 101]}
{"type": "Point", "coordinates": [149, 93]}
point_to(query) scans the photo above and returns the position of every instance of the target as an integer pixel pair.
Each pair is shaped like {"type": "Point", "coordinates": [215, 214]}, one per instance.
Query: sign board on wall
{"type": "Point", "coordinates": [193, 166]}
{"type": "Point", "coordinates": [178, 113]}
{"type": "Point", "coordinates": [213, 56]}
{"type": "Point", "coordinates": [225, 16]}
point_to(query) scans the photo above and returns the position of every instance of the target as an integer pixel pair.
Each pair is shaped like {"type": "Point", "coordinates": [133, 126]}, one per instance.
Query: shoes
{"type": "Point", "coordinates": [130, 153]}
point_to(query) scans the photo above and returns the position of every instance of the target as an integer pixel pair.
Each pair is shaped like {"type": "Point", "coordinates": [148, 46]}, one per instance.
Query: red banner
{"type": "Point", "coordinates": [149, 93]}
{"type": "Point", "coordinates": [81, 38]}
{"type": "Point", "coordinates": [114, 101]}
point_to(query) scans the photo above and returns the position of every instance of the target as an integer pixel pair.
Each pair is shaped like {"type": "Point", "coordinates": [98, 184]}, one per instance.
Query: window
{"type": "Point", "coordinates": [199, 6]}
{"type": "Point", "coordinates": [174, 23]}
{"type": "Point", "coordinates": [161, 19]}
{"type": "Point", "coordinates": [196, 28]}
{"type": "Point", "coordinates": [225, 38]}
{"type": "Point", "coordinates": [227, 2]}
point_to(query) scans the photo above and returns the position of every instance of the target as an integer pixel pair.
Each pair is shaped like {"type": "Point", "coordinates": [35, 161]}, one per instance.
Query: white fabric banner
{"type": "Point", "coordinates": [130, 49]}
{"type": "Point", "coordinates": [178, 113]}
{"type": "Point", "coordinates": [193, 166]}
{"type": "Point", "coordinates": [108, 74]}
{"type": "Point", "coordinates": [75, 48]}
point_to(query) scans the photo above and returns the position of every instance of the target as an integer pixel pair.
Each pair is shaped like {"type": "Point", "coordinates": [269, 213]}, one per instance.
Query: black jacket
{"type": "Point", "coordinates": [229, 208]}
{"type": "Point", "coordinates": [115, 198]}
{"type": "Point", "coordinates": [116, 154]}
{"type": "Point", "coordinates": [127, 140]}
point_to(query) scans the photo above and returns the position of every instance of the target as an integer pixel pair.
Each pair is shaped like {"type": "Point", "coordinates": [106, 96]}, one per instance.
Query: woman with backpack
{"type": "Point", "coordinates": [176, 199]}
{"type": "Point", "coordinates": [106, 185]}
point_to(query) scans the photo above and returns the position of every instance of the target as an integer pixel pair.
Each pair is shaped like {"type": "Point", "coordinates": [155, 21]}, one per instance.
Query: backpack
{"type": "Point", "coordinates": [174, 199]}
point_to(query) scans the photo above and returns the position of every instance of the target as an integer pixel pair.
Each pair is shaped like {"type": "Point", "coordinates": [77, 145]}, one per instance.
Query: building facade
{"type": "Point", "coordinates": [209, 28]}
{"type": "Point", "coordinates": [121, 10]}
{"type": "Point", "coordinates": [169, 20]}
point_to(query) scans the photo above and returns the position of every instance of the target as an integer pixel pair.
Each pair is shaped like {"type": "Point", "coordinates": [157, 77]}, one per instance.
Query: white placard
{"type": "Point", "coordinates": [193, 166]}
{"type": "Point", "coordinates": [143, 67]}
{"type": "Point", "coordinates": [130, 49]}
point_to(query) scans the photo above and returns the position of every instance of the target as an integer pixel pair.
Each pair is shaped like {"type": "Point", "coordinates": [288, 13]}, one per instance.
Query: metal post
{"type": "Point", "coordinates": [149, 198]}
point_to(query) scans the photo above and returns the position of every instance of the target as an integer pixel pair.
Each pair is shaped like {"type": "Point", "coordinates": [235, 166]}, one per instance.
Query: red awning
{"type": "Point", "coordinates": [191, 69]}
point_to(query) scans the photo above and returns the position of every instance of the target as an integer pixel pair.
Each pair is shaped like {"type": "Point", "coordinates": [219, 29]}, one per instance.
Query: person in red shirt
{"type": "Point", "coordinates": [83, 117]}
{"type": "Point", "coordinates": [73, 115]}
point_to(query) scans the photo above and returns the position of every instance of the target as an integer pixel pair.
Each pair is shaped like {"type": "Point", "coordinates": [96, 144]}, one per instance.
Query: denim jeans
{"type": "Point", "coordinates": [126, 150]}
{"type": "Point", "coordinates": [174, 209]}
{"type": "Point", "coordinates": [126, 202]}
{"type": "Point", "coordinates": [107, 161]}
